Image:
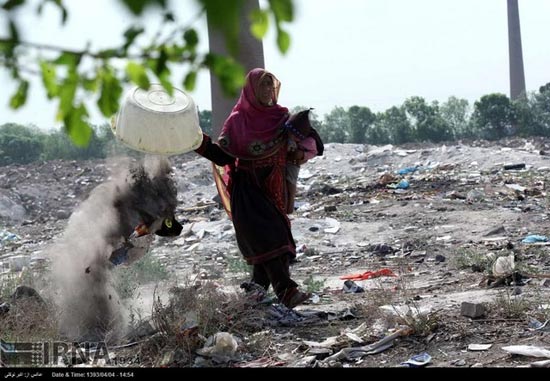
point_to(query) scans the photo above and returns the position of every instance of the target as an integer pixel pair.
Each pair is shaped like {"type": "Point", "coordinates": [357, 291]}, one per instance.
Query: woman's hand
{"type": "Point", "coordinates": [296, 157]}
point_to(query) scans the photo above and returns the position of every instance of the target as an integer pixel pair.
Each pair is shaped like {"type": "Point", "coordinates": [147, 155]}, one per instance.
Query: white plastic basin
{"type": "Point", "coordinates": [155, 122]}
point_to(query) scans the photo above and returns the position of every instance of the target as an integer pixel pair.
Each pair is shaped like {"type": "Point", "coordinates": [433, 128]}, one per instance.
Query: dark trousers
{"type": "Point", "coordinates": [275, 272]}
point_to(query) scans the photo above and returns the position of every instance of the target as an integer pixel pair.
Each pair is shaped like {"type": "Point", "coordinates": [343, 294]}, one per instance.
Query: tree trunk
{"type": "Point", "coordinates": [251, 55]}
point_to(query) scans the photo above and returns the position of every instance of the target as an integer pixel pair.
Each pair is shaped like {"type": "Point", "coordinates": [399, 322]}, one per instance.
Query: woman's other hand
{"type": "Point", "coordinates": [296, 157]}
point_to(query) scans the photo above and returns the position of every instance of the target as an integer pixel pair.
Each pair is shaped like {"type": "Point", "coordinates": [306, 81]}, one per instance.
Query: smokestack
{"type": "Point", "coordinates": [517, 76]}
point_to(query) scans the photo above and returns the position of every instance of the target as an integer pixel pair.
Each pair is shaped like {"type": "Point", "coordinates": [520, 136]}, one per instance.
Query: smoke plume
{"type": "Point", "coordinates": [89, 306]}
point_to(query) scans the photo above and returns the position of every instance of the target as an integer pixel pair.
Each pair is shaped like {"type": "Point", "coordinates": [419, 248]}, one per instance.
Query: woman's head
{"type": "Point", "coordinates": [263, 86]}
{"type": "Point", "coordinates": [254, 127]}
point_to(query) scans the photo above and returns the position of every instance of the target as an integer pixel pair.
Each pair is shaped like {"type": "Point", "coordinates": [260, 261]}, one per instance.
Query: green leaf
{"type": "Point", "coordinates": [169, 16]}
{"type": "Point", "coordinates": [160, 63]}
{"type": "Point", "coordinates": [89, 84]}
{"type": "Point", "coordinates": [164, 79]}
{"type": "Point", "coordinates": [14, 32]}
{"type": "Point", "coordinates": [76, 125]}
{"type": "Point", "coordinates": [110, 53]}
{"type": "Point", "coordinates": [69, 59]}
{"type": "Point", "coordinates": [7, 48]}
{"type": "Point", "coordinates": [282, 9]}
{"type": "Point", "coordinates": [138, 6]}
{"type": "Point", "coordinates": [67, 92]}
{"type": "Point", "coordinates": [20, 97]}
{"type": "Point", "coordinates": [230, 73]}
{"type": "Point", "coordinates": [49, 79]}
{"type": "Point", "coordinates": [191, 38]}
{"type": "Point", "coordinates": [12, 4]}
{"type": "Point", "coordinates": [283, 40]}
{"type": "Point", "coordinates": [131, 34]}
{"type": "Point", "coordinates": [190, 81]}
{"type": "Point", "coordinates": [259, 23]}
{"type": "Point", "coordinates": [138, 75]}
{"type": "Point", "coordinates": [111, 91]}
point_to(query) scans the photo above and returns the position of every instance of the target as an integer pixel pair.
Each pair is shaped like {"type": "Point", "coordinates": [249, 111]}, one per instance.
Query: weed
{"type": "Point", "coordinates": [422, 323]}
{"type": "Point", "coordinates": [239, 266]}
{"type": "Point", "coordinates": [313, 285]}
{"type": "Point", "coordinates": [511, 307]}
{"type": "Point", "coordinates": [129, 278]}
{"type": "Point", "coordinates": [468, 258]}
{"type": "Point", "coordinates": [409, 312]}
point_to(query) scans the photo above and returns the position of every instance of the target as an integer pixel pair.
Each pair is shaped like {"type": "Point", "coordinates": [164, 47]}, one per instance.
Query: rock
{"type": "Point", "coordinates": [62, 214]}
{"type": "Point", "coordinates": [25, 292]}
{"type": "Point", "coordinates": [472, 310]}
{"type": "Point", "coordinates": [10, 209]}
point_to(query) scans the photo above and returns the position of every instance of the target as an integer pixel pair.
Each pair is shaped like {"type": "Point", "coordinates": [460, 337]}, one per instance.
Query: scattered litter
{"type": "Point", "coordinates": [509, 167]}
{"type": "Point", "coordinates": [221, 346]}
{"type": "Point", "coordinates": [7, 236]}
{"type": "Point", "coordinates": [527, 350]}
{"type": "Point", "coordinates": [536, 325]}
{"type": "Point", "coordinates": [334, 225]}
{"type": "Point", "coordinates": [371, 349]}
{"type": "Point", "coordinates": [503, 265]}
{"type": "Point", "coordinates": [418, 360]}
{"type": "Point", "coordinates": [535, 238]}
{"type": "Point", "coordinates": [403, 184]}
{"type": "Point", "coordinates": [369, 275]}
{"type": "Point", "coordinates": [541, 364]}
{"type": "Point", "coordinates": [407, 170]}
{"type": "Point", "coordinates": [351, 287]}
{"type": "Point", "coordinates": [516, 187]}
{"type": "Point", "coordinates": [479, 347]}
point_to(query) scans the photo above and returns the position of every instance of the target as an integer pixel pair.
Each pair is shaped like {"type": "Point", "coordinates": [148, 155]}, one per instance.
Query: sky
{"type": "Point", "coordinates": [373, 53]}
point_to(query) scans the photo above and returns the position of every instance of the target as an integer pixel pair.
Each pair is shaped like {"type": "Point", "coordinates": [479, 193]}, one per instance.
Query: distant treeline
{"type": "Point", "coordinates": [492, 117]}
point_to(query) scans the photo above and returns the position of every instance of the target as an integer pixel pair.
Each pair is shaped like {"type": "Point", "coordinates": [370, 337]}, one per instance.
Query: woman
{"type": "Point", "coordinates": [253, 148]}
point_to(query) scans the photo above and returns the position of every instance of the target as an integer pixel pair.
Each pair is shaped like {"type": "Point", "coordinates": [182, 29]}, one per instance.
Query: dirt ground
{"type": "Point", "coordinates": [466, 205]}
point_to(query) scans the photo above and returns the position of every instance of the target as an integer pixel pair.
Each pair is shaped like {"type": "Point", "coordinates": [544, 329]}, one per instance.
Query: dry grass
{"type": "Point", "coordinates": [29, 321]}
{"type": "Point", "coordinates": [192, 314]}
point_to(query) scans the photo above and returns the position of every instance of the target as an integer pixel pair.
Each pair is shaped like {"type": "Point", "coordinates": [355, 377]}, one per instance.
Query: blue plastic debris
{"type": "Point", "coordinates": [7, 236]}
{"type": "Point", "coordinates": [535, 238]}
{"type": "Point", "coordinates": [119, 256]}
{"type": "Point", "coordinates": [407, 170]}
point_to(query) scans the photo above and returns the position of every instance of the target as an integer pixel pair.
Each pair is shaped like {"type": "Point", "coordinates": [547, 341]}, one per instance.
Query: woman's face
{"type": "Point", "coordinates": [265, 91]}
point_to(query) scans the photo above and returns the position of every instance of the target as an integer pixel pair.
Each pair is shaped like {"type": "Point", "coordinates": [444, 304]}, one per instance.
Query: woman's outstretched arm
{"type": "Point", "coordinates": [213, 152]}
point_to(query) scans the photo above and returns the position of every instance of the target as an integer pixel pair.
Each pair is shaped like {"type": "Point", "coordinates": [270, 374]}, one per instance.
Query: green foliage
{"type": "Point", "coordinates": [534, 113]}
{"type": "Point", "coordinates": [19, 144]}
{"type": "Point", "coordinates": [397, 125]}
{"type": "Point", "coordinates": [494, 116]}
{"type": "Point", "coordinates": [314, 285]}
{"type": "Point", "coordinates": [22, 145]}
{"type": "Point", "coordinates": [379, 132]}
{"type": "Point", "coordinates": [360, 118]}
{"type": "Point", "coordinates": [427, 123]}
{"type": "Point", "coordinates": [336, 127]}
{"type": "Point", "coordinates": [238, 265]}
{"type": "Point", "coordinates": [456, 113]}
{"type": "Point", "coordinates": [65, 78]}
{"type": "Point", "coordinates": [205, 121]}
{"type": "Point", "coordinates": [471, 259]}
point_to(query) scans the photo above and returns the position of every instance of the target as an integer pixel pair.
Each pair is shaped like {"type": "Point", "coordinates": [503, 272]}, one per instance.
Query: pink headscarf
{"type": "Point", "coordinates": [252, 130]}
